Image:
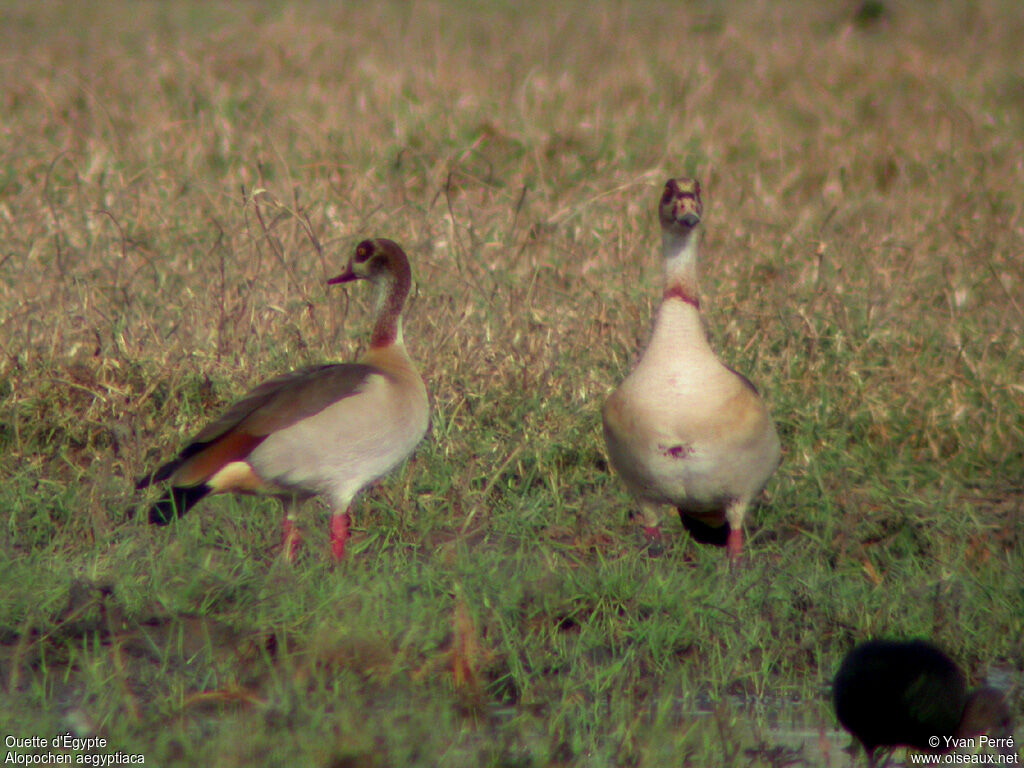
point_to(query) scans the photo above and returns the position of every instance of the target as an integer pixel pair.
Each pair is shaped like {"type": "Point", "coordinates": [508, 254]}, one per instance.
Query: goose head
{"type": "Point", "coordinates": [384, 264]}
{"type": "Point", "coordinates": [374, 260]}
{"type": "Point", "coordinates": [680, 209]}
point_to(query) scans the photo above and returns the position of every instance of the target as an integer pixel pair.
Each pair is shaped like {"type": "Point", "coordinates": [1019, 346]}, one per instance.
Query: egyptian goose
{"type": "Point", "coordinates": [328, 429]}
{"type": "Point", "coordinates": [683, 428]}
{"type": "Point", "coordinates": [912, 694]}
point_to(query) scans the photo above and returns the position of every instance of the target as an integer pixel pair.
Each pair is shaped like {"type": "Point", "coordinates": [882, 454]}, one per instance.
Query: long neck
{"type": "Point", "coordinates": [677, 327]}
{"type": "Point", "coordinates": [392, 290]}
{"type": "Point", "coordinates": [680, 254]}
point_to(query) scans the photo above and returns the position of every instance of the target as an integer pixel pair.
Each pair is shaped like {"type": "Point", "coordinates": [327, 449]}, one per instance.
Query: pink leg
{"type": "Point", "coordinates": [734, 545]}
{"type": "Point", "coordinates": [291, 539]}
{"type": "Point", "coordinates": [339, 534]}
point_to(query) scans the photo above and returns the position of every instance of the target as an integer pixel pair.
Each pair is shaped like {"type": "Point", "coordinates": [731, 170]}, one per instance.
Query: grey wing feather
{"type": "Point", "coordinates": [291, 397]}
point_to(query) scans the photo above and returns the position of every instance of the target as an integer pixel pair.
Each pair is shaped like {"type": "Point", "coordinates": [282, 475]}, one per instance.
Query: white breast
{"type": "Point", "coordinates": [348, 444]}
{"type": "Point", "coordinates": [684, 429]}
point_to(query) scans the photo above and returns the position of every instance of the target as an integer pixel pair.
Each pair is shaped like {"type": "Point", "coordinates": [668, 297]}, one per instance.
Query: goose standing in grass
{"type": "Point", "coordinates": [912, 694]}
{"type": "Point", "coordinates": [326, 430]}
{"type": "Point", "coordinates": [683, 428]}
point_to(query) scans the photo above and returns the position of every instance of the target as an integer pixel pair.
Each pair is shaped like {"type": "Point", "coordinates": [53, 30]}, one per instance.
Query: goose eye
{"type": "Point", "coordinates": [362, 253]}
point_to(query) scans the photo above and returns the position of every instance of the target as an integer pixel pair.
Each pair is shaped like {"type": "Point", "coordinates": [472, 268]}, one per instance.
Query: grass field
{"type": "Point", "coordinates": [177, 180]}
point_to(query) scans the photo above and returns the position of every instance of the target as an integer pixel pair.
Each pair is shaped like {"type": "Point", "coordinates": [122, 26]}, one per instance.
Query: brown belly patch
{"type": "Point", "coordinates": [676, 451]}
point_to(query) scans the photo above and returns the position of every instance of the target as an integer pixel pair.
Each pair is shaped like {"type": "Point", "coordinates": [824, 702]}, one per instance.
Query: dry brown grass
{"type": "Point", "coordinates": [177, 186]}
{"type": "Point", "coordinates": [176, 182]}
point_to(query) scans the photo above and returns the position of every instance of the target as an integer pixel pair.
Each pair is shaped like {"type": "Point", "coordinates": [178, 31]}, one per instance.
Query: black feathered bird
{"type": "Point", "coordinates": [889, 694]}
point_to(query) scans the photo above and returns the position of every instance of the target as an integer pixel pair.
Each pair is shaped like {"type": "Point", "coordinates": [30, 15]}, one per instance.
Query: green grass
{"type": "Point", "coordinates": [176, 183]}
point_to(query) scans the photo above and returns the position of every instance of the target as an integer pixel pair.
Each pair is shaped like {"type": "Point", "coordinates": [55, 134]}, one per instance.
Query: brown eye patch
{"type": "Point", "coordinates": [363, 251]}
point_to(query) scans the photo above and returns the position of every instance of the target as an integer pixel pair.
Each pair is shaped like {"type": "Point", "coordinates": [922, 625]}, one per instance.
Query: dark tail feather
{"type": "Point", "coordinates": [176, 503]}
{"type": "Point", "coordinates": [704, 533]}
{"type": "Point", "coordinates": [160, 475]}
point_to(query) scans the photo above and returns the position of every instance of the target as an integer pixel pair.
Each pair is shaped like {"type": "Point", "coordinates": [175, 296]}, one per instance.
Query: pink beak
{"type": "Point", "coordinates": [345, 277]}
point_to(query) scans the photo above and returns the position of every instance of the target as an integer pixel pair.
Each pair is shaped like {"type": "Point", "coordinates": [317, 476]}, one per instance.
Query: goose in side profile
{"type": "Point", "coordinates": [326, 430]}
{"type": "Point", "coordinates": [911, 694]}
{"type": "Point", "coordinates": [683, 428]}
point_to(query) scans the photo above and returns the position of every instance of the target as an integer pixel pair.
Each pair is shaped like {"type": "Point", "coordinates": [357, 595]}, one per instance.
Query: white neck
{"type": "Point", "coordinates": [388, 304]}
{"type": "Point", "coordinates": [383, 287]}
{"type": "Point", "coordinates": [680, 256]}
{"type": "Point", "coordinates": [678, 325]}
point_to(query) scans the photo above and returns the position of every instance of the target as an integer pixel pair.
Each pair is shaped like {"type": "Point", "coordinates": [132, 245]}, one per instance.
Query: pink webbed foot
{"type": "Point", "coordinates": [339, 534]}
